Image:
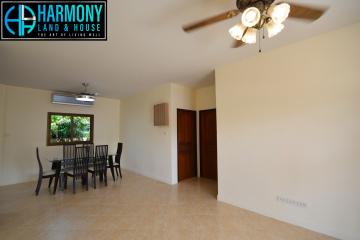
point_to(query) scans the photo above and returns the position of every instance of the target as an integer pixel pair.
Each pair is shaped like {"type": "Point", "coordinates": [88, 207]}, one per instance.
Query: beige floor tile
{"type": "Point", "coordinates": [135, 208]}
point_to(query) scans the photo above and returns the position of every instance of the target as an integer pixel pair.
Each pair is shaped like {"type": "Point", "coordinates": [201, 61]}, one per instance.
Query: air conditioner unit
{"type": "Point", "coordinates": [69, 99]}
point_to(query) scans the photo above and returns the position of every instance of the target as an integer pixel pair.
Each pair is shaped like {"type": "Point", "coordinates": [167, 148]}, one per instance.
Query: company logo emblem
{"type": "Point", "coordinates": [53, 20]}
{"type": "Point", "coordinates": [24, 19]}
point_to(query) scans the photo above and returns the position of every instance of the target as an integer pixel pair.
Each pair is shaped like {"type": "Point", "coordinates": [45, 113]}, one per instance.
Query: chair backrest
{"type": "Point", "coordinates": [81, 162]}
{"type": "Point", "coordinates": [91, 149]}
{"type": "Point", "coordinates": [101, 155]}
{"type": "Point", "coordinates": [39, 162]}
{"type": "Point", "coordinates": [69, 151]}
{"type": "Point", "coordinates": [69, 156]}
{"type": "Point", "coordinates": [118, 152]}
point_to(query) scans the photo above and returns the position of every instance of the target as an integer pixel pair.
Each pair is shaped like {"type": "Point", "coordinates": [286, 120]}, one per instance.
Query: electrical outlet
{"type": "Point", "coordinates": [291, 202]}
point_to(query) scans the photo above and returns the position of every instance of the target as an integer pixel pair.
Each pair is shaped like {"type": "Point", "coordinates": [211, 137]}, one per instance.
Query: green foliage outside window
{"type": "Point", "coordinates": [69, 128]}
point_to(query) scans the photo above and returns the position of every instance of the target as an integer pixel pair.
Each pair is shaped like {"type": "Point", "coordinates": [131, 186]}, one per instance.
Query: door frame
{"type": "Point", "coordinates": [201, 161]}
{"type": "Point", "coordinates": [177, 140]}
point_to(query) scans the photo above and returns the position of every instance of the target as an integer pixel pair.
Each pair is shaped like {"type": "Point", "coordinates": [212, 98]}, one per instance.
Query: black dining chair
{"type": "Point", "coordinates": [68, 156]}
{"type": "Point", "coordinates": [80, 168]}
{"type": "Point", "coordinates": [69, 151]}
{"type": "Point", "coordinates": [117, 159]}
{"type": "Point", "coordinates": [91, 149]}
{"type": "Point", "coordinates": [99, 165]}
{"type": "Point", "coordinates": [48, 174]}
{"type": "Point", "coordinates": [116, 165]}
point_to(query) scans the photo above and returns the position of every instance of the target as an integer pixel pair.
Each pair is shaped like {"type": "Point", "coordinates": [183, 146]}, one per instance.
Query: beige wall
{"type": "Point", "coordinates": [204, 99]}
{"type": "Point", "coordinates": [289, 126]}
{"type": "Point", "coordinates": [23, 119]}
{"type": "Point", "coordinates": [147, 149]}
{"type": "Point", "coordinates": [182, 97]}
{"type": "Point", "coordinates": [152, 151]}
{"type": "Point", "coordinates": [2, 126]}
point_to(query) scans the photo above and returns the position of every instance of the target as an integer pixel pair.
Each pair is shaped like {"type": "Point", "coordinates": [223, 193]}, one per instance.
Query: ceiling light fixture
{"type": "Point", "coordinates": [279, 13]}
{"type": "Point", "coordinates": [251, 17]}
{"type": "Point", "coordinates": [237, 31]}
{"type": "Point", "coordinates": [255, 19]}
{"type": "Point", "coordinates": [85, 98]}
{"type": "Point", "coordinates": [260, 15]}
{"type": "Point", "coordinates": [250, 36]}
{"type": "Point", "coordinates": [274, 29]}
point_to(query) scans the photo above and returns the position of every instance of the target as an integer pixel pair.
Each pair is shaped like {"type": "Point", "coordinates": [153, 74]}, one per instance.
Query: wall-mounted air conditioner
{"type": "Point", "coordinates": [69, 99]}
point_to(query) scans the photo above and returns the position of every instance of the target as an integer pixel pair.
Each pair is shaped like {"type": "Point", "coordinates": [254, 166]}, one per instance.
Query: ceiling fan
{"type": "Point", "coordinates": [85, 96]}
{"type": "Point", "coordinates": [260, 15]}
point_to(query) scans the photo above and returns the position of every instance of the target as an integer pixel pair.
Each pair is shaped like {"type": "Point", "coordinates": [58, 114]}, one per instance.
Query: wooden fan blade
{"type": "Point", "coordinates": [211, 20]}
{"type": "Point", "coordinates": [237, 44]}
{"type": "Point", "coordinates": [306, 12]}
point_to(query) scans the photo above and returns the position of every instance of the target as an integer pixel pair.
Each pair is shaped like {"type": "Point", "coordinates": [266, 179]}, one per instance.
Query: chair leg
{"type": "Point", "coordinates": [87, 183]}
{"type": "Point", "coordinates": [116, 169]}
{"type": "Point", "coordinates": [65, 181]}
{"type": "Point", "coordinates": [101, 177]}
{"type": "Point", "coordinates": [94, 180]}
{"type": "Point", "coordinates": [38, 185]}
{"type": "Point", "coordinates": [50, 181]}
{"type": "Point", "coordinates": [120, 171]}
{"type": "Point", "coordinates": [56, 183]}
{"type": "Point", "coordinates": [112, 173]}
{"type": "Point", "coordinates": [105, 177]}
{"type": "Point", "coordinates": [74, 185]}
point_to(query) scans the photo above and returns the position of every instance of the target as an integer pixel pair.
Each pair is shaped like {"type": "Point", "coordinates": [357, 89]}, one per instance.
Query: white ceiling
{"type": "Point", "coordinates": [146, 47]}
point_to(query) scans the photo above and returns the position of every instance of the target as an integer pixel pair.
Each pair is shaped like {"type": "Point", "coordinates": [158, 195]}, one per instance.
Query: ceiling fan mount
{"type": "Point", "coordinates": [244, 4]}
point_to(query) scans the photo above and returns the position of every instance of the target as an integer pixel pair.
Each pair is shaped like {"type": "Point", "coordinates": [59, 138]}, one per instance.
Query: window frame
{"type": "Point", "coordinates": [72, 115]}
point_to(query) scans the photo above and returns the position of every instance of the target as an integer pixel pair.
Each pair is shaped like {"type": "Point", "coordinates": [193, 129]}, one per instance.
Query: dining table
{"type": "Point", "coordinates": [61, 165]}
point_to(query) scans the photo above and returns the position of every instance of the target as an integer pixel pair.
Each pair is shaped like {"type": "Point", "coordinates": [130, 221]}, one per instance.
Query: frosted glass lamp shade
{"type": "Point", "coordinates": [250, 36]}
{"type": "Point", "coordinates": [251, 17]}
{"type": "Point", "coordinates": [237, 31]}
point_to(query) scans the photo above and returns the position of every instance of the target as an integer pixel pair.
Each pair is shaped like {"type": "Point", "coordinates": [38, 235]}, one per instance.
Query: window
{"type": "Point", "coordinates": [68, 128]}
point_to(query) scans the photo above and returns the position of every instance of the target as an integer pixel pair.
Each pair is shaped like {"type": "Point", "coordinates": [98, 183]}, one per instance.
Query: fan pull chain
{"type": "Point", "coordinates": [259, 41]}
{"type": "Point", "coordinates": [263, 33]}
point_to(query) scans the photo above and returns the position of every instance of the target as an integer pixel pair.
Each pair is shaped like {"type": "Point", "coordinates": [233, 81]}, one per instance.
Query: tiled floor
{"type": "Point", "coordinates": [135, 208]}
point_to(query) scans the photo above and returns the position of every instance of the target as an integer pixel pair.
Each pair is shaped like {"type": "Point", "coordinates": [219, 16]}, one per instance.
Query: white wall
{"type": "Point", "coordinates": [181, 98]}
{"type": "Point", "coordinates": [152, 151]}
{"type": "Point", "coordinates": [2, 127]}
{"type": "Point", "coordinates": [204, 99]}
{"type": "Point", "coordinates": [23, 127]}
{"type": "Point", "coordinates": [147, 149]}
{"type": "Point", "coordinates": [289, 125]}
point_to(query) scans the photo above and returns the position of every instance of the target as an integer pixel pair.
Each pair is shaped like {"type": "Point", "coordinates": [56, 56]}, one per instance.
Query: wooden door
{"type": "Point", "coordinates": [186, 134]}
{"type": "Point", "coordinates": [208, 144]}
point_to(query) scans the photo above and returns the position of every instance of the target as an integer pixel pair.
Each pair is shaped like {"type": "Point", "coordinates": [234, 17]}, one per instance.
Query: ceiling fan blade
{"type": "Point", "coordinates": [237, 44]}
{"type": "Point", "coordinates": [306, 12]}
{"type": "Point", "coordinates": [211, 20]}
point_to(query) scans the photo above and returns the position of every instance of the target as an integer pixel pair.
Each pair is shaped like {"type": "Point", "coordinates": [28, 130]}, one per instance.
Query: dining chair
{"type": "Point", "coordinates": [68, 156]}
{"type": "Point", "coordinates": [99, 165]}
{"type": "Point", "coordinates": [80, 168]}
{"type": "Point", "coordinates": [69, 151]}
{"type": "Point", "coordinates": [117, 159]}
{"type": "Point", "coordinates": [91, 149]}
{"type": "Point", "coordinates": [48, 174]}
{"type": "Point", "coordinates": [115, 165]}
